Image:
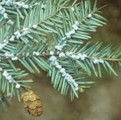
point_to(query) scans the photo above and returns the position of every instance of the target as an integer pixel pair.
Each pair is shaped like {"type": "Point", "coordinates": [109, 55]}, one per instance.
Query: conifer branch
{"type": "Point", "coordinates": [52, 35]}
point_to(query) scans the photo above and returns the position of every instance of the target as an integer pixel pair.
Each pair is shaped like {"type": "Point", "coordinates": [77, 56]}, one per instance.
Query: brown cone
{"type": "Point", "coordinates": [31, 103]}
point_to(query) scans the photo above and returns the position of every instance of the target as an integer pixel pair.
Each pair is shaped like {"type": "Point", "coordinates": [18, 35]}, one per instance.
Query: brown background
{"type": "Point", "coordinates": [101, 102]}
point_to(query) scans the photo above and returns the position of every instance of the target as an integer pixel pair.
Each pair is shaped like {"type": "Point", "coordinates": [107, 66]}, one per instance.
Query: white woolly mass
{"type": "Point", "coordinates": [26, 31]}
{"type": "Point", "coordinates": [72, 8]}
{"type": "Point", "coordinates": [75, 27]}
{"type": "Point", "coordinates": [89, 16]}
{"type": "Point", "coordinates": [76, 23]}
{"type": "Point", "coordinates": [67, 35]}
{"type": "Point", "coordinates": [27, 54]}
{"type": "Point", "coordinates": [15, 37]}
{"type": "Point", "coordinates": [17, 34]}
{"type": "Point", "coordinates": [63, 38]}
{"type": "Point", "coordinates": [10, 79]}
{"type": "Point", "coordinates": [6, 2]}
{"type": "Point", "coordinates": [79, 56]}
{"type": "Point", "coordinates": [43, 6]}
{"type": "Point", "coordinates": [76, 56]}
{"type": "Point", "coordinates": [3, 12]}
{"type": "Point", "coordinates": [5, 15]}
{"type": "Point", "coordinates": [62, 54]}
{"type": "Point", "coordinates": [73, 30]}
{"type": "Point", "coordinates": [19, 4]}
{"type": "Point", "coordinates": [62, 70]}
{"type": "Point", "coordinates": [10, 22]}
{"type": "Point", "coordinates": [52, 59]}
{"type": "Point", "coordinates": [10, 55]}
{"type": "Point", "coordinates": [51, 53]}
{"type": "Point", "coordinates": [69, 53]}
{"type": "Point", "coordinates": [14, 58]}
{"type": "Point", "coordinates": [18, 86]}
{"type": "Point", "coordinates": [36, 53]}
{"type": "Point", "coordinates": [12, 38]}
{"type": "Point", "coordinates": [2, 46]}
{"type": "Point", "coordinates": [59, 47]}
{"type": "Point", "coordinates": [96, 61]}
{"type": "Point", "coordinates": [34, 26]}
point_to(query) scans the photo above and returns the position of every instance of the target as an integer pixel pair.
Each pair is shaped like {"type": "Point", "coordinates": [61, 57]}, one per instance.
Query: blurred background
{"type": "Point", "coordinates": [101, 102]}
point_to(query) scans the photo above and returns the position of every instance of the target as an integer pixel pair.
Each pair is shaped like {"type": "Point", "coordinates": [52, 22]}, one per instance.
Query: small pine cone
{"type": "Point", "coordinates": [31, 103]}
